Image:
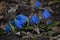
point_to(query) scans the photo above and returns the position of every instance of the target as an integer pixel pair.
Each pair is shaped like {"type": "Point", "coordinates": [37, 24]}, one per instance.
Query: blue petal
{"type": "Point", "coordinates": [23, 22]}
{"type": "Point", "coordinates": [8, 28]}
{"type": "Point", "coordinates": [12, 22]}
{"type": "Point", "coordinates": [49, 22]}
{"type": "Point", "coordinates": [18, 24]}
{"type": "Point", "coordinates": [37, 3]}
{"type": "Point", "coordinates": [31, 22]}
{"type": "Point", "coordinates": [46, 14]}
{"type": "Point", "coordinates": [21, 17]}
{"type": "Point", "coordinates": [34, 19]}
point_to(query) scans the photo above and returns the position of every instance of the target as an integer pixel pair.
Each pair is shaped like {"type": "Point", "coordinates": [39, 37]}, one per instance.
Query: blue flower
{"type": "Point", "coordinates": [12, 22]}
{"type": "Point", "coordinates": [21, 20]}
{"type": "Point", "coordinates": [46, 14]}
{"type": "Point", "coordinates": [8, 28]}
{"type": "Point", "coordinates": [37, 4]}
{"type": "Point", "coordinates": [34, 20]}
{"type": "Point", "coordinates": [18, 24]}
{"type": "Point", "coordinates": [49, 22]}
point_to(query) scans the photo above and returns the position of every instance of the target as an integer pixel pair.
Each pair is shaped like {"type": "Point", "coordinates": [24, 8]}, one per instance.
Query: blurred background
{"type": "Point", "coordinates": [44, 27]}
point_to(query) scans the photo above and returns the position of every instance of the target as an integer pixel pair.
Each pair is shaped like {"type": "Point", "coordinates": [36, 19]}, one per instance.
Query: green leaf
{"type": "Point", "coordinates": [51, 25]}
{"type": "Point", "coordinates": [12, 27]}
{"type": "Point", "coordinates": [28, 27]}
{"type": "Point", "coordinates": [34, 37]}
{"type": "Point", "coordinates": [51, 32]}
{"type": "Point", "coordinates": [41, 25]}
{"type": "Point", "coordinates": [2, 32]}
